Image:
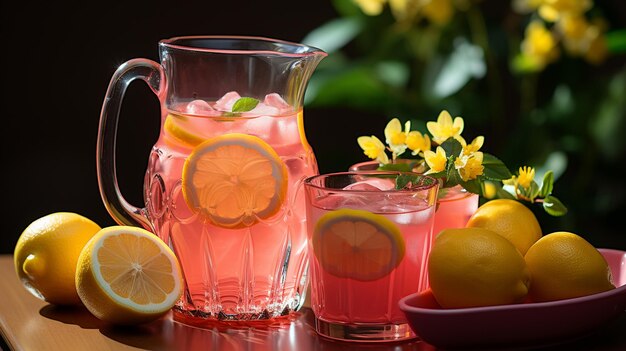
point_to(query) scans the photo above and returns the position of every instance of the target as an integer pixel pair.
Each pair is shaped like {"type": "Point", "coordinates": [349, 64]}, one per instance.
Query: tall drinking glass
{"type": "Point", "coordinates": [370, 234]}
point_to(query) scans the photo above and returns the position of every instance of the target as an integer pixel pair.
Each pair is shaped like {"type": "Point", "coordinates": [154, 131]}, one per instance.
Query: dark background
{"type": "Point", "coordinates": [57, 60]}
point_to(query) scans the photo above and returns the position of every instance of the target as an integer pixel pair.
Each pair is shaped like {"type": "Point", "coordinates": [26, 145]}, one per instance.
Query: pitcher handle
{"type": "Point", "coordinates": [150, 72]}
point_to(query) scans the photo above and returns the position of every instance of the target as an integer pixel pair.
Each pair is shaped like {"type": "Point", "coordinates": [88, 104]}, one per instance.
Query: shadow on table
{"type": "Point", "coordinates": [72, 315]}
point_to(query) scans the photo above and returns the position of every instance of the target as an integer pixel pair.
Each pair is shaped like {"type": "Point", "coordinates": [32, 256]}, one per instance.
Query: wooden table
{"type": "Point", "coordinates": [27, 323]}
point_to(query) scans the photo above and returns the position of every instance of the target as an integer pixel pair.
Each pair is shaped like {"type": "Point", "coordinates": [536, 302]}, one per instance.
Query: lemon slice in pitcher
{"type": "Point", "coordinates": [234, 180]}
{"type": "Point", "coordinates": [357, 244]}
{"type": "Point", "coordinates": [179, 129]}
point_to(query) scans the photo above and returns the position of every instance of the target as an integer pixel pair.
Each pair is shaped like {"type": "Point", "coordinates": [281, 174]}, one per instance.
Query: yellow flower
{"type": "Point", "coordinates": [373, 148]}
{"type": "Point", "coordinates": [539, 44]}
{"type": "Point", "coordinates": [417, 142]}
{"type": "Point", "coordinates": [553, 10]}
{"type": "Point", "coordinates": [438, 11]}
{"type": "Point", "coordinates": [583, 38]}
{"type": "Point", "coordinates": [371, 7]}
{"type": "Point", "coordinates": [436, 161]}
{"type": "Point", "coordinates": [476, 144]}
{"type": "Point", "coordinates": [526, 176]}
{"type": "Point", "coordinates": [444, 128]}
{"type": "Point", "coordinates": [470, 166]}
{"type": "Point", "coordinates": [395, 137]}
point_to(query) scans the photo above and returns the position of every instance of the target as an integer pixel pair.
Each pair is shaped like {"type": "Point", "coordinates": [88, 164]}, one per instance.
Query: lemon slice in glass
{"type": "Point", "coordinates": [357, 244]}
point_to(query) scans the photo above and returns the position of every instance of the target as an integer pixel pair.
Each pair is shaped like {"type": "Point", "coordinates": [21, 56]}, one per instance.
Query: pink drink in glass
{"type": "Point", "coordinates": [253, 272]}
{"type": "Point", "coordinates": [364, 306]}
{"type": "Point", "coordinates": [454, 207]}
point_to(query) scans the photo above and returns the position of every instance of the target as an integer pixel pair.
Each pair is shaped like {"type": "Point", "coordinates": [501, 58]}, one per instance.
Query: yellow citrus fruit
{"type": "Point", "coordinates": [357, 244]}
{"type": "Point", "coordinates": [509, 218]}
{"type": "Point", "coordinates": [234, 180]}
{"type": "Point", "coordinates": [472, 267]}
{"type": "Point", "coordinates": [46, 253]}
{"type": "Point", "coordinates": [564, 265]}
{"type": "Point", "coordinates": [127, 275]}
{"type": "Point", "coordinates": [180, 129]}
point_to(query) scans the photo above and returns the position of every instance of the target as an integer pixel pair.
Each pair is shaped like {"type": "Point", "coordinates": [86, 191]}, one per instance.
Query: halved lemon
{"type": "Point", "coordinates": [127, 275]}
{"type": "Point", "coordinates": [234, 180]}
{"type": "Point", "coordinates": [357, 244]}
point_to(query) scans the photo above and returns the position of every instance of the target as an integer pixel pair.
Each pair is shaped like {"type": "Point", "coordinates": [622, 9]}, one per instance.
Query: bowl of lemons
{"type": "Point", "coordinates": [500, 282]}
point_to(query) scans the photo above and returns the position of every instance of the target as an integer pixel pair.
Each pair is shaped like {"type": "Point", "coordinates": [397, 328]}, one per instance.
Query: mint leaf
{"type": "Point", "coordinates": [494, 168]}
{"type": "Point", "coordinates": [554, 206]}
{"type": "Point", "coordinates": [244, 104]}
{"type": "Point", "coordinates": [548, 184]}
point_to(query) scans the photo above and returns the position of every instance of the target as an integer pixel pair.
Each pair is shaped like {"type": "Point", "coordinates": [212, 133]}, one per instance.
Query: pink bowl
{"type": "Point", "coordinates": [522, 325]}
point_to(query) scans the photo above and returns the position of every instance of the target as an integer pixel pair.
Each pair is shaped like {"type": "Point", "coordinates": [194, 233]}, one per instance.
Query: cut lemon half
{"type": "Point", "coordinates": [357, 244]}
{"type": "Point", "coordinates": [234, 180]}
{"type": "Point", "coordinates": [127, 275]}
{"type": "Point", "coordinates": [179, 130]}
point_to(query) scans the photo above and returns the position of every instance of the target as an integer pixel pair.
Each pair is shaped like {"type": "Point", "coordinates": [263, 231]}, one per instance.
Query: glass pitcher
{"type": "Point", "coordinates": [223, 183]}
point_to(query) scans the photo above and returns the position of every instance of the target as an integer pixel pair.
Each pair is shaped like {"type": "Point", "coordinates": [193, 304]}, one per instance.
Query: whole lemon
{"type": "Point", "coordinates": [564, 265]}
{"type": "Point", "coordinates": [471, 267]}
{"type": "Point", "coordinates": [46, 253]}
{"type": "Point", "coordinates": [509, 218]}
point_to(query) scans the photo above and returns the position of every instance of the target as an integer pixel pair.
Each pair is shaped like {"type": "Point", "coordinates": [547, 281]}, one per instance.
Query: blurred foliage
{"type": "Point", "coordinates": [543, 80]}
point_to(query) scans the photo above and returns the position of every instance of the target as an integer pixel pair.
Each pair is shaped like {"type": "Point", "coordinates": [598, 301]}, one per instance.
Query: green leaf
{"type": "Point", "coordinates": [334, 34]}
{"type": "Point", "coordinates": [473, 186]}
{"type": "Point", "coordinates": [357, 87]}
{"type": "Point", "coordinates": [547, 184]}
{"type": "Point", "coordinates": [494, 168]}
{"type": "Point", "coordinates": [452, 174]}
{"type": "Point", "coordinates": [452, 147]}
{"type": "Point", "coordinates": [616, 41]}
{"type": "Point", "coordinates": [501, 193]}
{"type": "Point", "coordinates": [244, 104]}
{"type": "Point", "coordinates": [466, 62]}
{"type": "Point", "coordinates": [403, 179]}
{"type": "Point", "coordinates": [402, 167]}
{"type": "Point", "coordinates": [554, 206]}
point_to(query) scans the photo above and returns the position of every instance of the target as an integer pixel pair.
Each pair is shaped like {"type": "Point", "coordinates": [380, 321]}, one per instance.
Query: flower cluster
{"type": "Point", "coordinates": [438, 12]}
{"type": "Point", "coordinates": [560, 22]}
{"type": "Point", "coordinates": [457, 163]}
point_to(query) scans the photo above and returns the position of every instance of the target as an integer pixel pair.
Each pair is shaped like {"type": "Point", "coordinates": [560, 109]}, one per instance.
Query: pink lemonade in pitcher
{"type": "Point", "coordinates": [224, 194]}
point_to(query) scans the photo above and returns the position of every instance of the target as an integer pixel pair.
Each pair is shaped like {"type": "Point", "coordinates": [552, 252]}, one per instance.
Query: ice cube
{"type": "Point", "coordinates": [262, 109]}
{"type": "Point", "coordinates": [372, 184]}
{"type": "Point", "coordinates": [277, 101]}
{"type": "Point", "coordinates": [226, 102]}
{"type": "Point", "coordinates": [199, 107]}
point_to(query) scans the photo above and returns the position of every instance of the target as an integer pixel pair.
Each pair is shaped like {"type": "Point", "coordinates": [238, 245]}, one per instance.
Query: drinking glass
{"type": "Point", "coordinates": [455, 205]}
{"type": "Point", "coordinates": [369, 236]}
